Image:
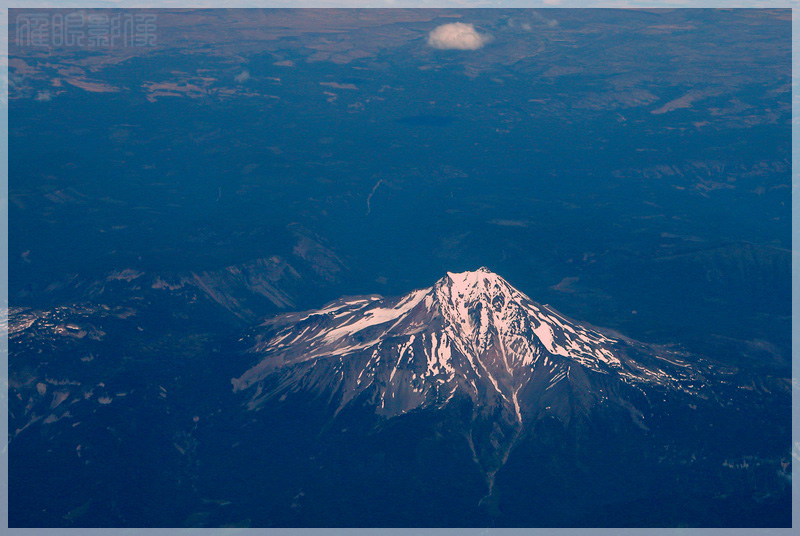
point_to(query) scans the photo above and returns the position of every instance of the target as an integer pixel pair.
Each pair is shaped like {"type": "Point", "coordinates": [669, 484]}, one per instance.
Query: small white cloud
{"type": "Point", "coordinates": [43, 96]}
{"type": "Point", "coordinates": [457, 36]}
{"type": "Point", "coordinates": [244, 76]}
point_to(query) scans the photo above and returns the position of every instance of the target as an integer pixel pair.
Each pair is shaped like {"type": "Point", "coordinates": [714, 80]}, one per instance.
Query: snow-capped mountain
{"type": "Point", "coordinates": [464, 393]}
{"type": "Point", "coordinates": [469, 335]}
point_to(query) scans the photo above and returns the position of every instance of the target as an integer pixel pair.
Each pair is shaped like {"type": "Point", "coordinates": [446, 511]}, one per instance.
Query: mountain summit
{"type": "Point", "coordinates": [472, 336]}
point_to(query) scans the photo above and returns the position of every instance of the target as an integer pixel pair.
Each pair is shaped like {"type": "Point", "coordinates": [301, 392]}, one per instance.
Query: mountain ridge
{"type": "Point", "coordinates": [470, 332]}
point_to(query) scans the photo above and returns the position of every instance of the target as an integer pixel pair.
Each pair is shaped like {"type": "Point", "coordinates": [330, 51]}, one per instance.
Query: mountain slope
{"type": "Point", "coordinates": [471, 332]}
